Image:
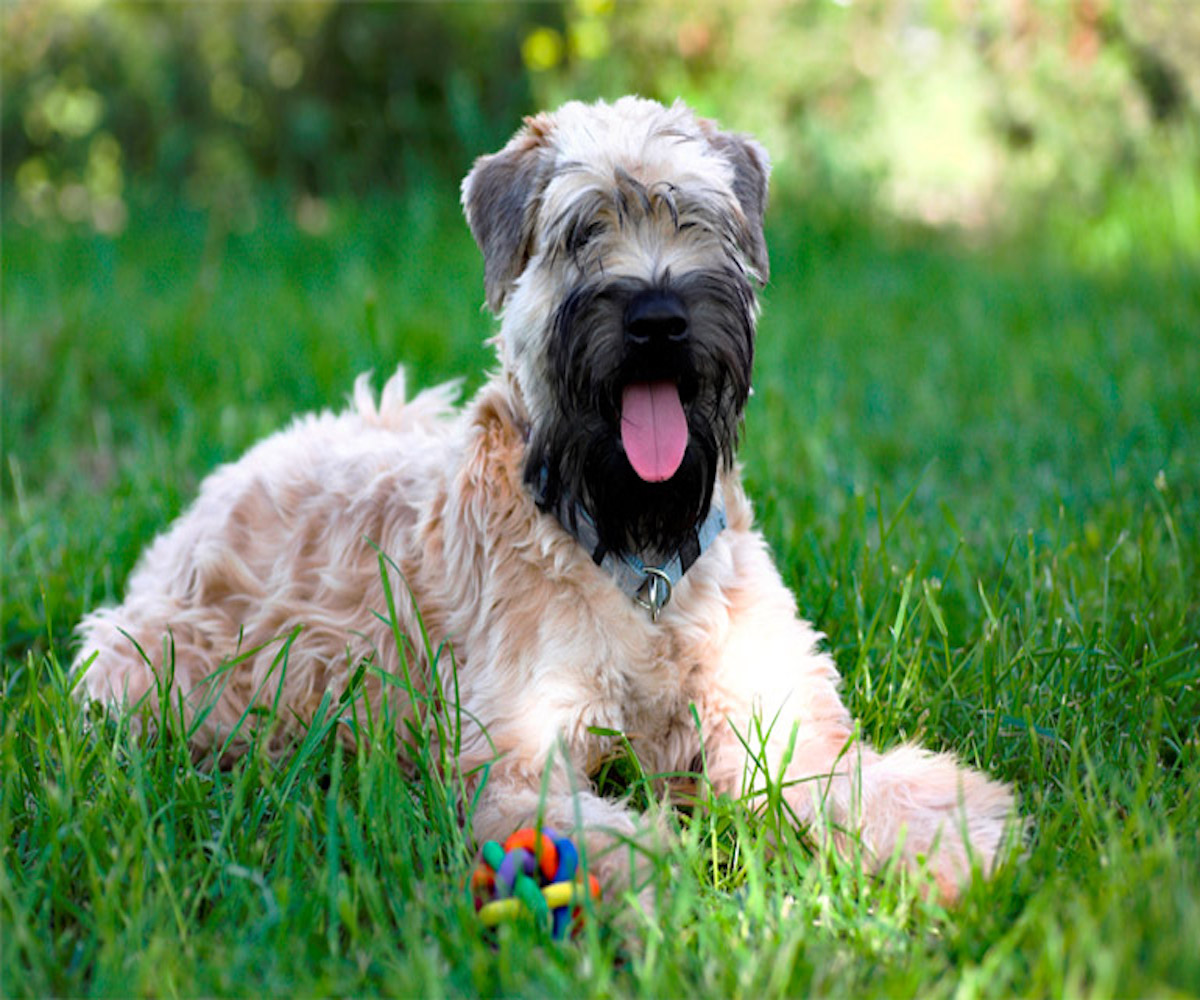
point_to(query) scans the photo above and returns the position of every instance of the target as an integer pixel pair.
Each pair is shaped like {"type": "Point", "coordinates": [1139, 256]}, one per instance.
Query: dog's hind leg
{"type": "Point", "coordinates": [117, 667]}
{"type": "Point", "coordinates": [133, 657]}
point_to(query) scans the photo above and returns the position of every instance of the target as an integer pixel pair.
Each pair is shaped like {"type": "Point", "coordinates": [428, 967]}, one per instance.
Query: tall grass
{"type": "Point", "coordinates": [979, 474]}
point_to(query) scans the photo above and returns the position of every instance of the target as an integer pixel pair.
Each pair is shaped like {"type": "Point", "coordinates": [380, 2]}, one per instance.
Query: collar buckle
{"type": "Point", "coordinates": [655, 592]}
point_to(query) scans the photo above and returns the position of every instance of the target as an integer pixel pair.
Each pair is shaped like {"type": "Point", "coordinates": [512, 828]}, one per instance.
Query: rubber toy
{"type": "Point", "coordinates": [532, 871]}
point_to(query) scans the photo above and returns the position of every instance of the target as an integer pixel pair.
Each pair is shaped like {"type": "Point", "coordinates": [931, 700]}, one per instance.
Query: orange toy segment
{"type": "Point", "coordinates": [539, 845]}
{"type": "Point", "coordinates": [483, 879]}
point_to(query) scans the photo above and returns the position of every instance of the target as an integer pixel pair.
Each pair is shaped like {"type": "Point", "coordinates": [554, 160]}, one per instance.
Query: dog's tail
{"type": "Point", "coordinates": [395, 412]}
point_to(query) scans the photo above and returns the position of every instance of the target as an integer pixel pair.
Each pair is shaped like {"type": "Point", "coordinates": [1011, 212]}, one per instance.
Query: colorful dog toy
{"type": "Point", "coordinates": [534, 871]}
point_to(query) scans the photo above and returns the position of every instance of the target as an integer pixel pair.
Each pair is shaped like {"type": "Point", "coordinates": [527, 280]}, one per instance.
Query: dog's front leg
{"type": "Point", "coordinates": [525, 791]}
{"type": "Point", "coordinates": [773, 693]}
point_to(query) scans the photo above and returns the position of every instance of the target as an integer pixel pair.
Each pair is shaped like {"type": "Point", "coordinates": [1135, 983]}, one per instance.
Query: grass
{"type": "Point", "coordinates": [978, 470]}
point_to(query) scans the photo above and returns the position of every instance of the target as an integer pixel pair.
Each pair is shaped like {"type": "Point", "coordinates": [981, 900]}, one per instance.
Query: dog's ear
{"type": "Point", "coordinates": [500, 197]}
{"type": "Point", "coordinates": [751, 170]}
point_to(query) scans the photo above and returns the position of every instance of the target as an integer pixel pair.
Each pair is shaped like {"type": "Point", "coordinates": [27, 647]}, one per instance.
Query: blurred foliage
{"type": "Point", "coordinates": [974, 113]}
{"type": "Point", "coordinates": [209, 98]}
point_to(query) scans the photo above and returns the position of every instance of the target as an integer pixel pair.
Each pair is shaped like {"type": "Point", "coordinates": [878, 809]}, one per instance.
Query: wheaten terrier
{"type": "Point", "coordinates": [578, 533]}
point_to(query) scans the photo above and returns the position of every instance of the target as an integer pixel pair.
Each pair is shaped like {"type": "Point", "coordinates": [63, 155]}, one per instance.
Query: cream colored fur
{"type": "Point", "coordinates": [546, 647]}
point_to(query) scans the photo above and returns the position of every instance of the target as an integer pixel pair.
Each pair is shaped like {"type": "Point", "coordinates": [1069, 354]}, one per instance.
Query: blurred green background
{"type": "Point", "coordinates": [976, 115]}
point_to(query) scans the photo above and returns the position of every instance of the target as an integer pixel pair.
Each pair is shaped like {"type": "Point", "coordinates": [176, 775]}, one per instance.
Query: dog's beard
{"type": "Point", "coordinates": [578, 454]}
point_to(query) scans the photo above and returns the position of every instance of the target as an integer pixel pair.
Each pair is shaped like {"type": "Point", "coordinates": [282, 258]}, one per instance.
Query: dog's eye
{"type": "Point", "coordinates": [581, 235]}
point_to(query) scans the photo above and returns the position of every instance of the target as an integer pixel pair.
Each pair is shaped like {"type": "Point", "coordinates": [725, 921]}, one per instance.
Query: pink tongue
{"type": "Point", "coordinates": [653, 429]}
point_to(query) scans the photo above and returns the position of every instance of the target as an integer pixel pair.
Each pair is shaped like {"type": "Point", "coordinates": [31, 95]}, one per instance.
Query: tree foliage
{"type": "Point", "coordinates": [972, 114]}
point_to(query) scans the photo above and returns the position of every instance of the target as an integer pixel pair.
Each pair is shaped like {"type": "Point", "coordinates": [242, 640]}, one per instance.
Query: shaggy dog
{"type": "Point", "coordinates": [578, 532]}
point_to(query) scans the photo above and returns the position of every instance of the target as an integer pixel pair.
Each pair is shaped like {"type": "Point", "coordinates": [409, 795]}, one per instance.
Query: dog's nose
{"type": "Point", "coordinates": [656, 316]}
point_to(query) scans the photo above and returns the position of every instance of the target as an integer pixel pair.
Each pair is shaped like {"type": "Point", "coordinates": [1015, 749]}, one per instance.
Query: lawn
{"type": "Point", "coordinates": [979, 469]}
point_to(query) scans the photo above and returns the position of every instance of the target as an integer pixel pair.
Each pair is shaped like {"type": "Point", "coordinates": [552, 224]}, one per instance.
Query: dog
{"type": "Point", "coordinates": [577, 532]}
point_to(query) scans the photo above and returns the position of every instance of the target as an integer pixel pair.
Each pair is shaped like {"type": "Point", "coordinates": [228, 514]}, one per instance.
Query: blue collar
{"type": "Point", "coordinates": [648, 578]}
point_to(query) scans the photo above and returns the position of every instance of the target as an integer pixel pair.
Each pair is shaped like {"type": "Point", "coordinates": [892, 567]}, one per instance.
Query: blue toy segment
{"type": "Point", "coordinates": [568, 859]}
{"type": "Point", "coordinates": [562, 922]}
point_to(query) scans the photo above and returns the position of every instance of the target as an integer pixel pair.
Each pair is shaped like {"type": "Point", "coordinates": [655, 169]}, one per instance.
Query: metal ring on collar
{"type": "Point", "coordinates": [658, 592]}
